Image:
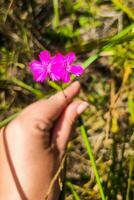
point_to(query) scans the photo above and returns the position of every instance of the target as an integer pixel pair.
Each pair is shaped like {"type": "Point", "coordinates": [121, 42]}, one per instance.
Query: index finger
{"type": "Point", "coordinates": [54, 105]}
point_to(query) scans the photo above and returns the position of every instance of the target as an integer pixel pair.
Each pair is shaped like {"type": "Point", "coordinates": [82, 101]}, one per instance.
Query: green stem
{"type": "Point", "coordinates": [54, 85]}
{"type": "Point", "coordinates": [81, 189]}
{"type": "Point", "coordinates": [56, 14]}
{"type": "Point", "coordinates": [109, 45]}
{"type": "Point", "coordinates": [71, 187]}
{"type": "Point", "coordinates": [38, 93]}
{"type": "Point", "coordinates": [90, 154]}
{"type": "Point", "coordinates": [8, 119]}
{"type": "Point", "coordinates": [121, 5]}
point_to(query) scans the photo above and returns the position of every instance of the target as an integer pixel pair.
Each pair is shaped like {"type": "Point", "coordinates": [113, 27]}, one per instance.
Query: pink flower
{"type": "Point", "coordinates": [57, 68]}
{"type": "Point", "coordinates": [40, 68]}
{"type": "Point", "coordinates": [65, 67]}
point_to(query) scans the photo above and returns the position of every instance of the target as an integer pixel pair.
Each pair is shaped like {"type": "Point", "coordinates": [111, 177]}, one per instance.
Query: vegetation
{"type": "Point", "coordinates": [100, 156]}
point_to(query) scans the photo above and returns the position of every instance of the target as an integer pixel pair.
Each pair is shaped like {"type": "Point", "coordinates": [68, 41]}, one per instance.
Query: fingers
{"type": "Point", "coordinates": [52, 107]}
{"type": "Point", "coordinates": [64, 125]}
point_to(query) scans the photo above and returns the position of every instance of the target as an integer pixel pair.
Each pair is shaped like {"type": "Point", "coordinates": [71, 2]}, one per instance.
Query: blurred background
{"type": "Point", "coordinates": [101, 33]}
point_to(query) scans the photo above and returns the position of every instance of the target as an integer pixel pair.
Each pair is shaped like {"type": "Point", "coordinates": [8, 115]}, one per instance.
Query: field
{"type": "Point", "coordinates": [100, 155]}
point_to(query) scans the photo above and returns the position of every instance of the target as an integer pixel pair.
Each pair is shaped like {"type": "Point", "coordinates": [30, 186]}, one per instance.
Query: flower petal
{"type": "Point", "coordinates": [57, 67]}
{"type": "Point", "coordinates": [65, 77]}
{"type": "Point", "coordinates": [76, 70]}
{"type": "Point", "coordinates": [56, 72]}
{"type": "Point", "coordinates": [45, 57]}
{"type": "Point", "coordinates": [54, 77]}
{"type": "Point", "coordinates": [38, 71]}
{"type": "Point", "coordinates": [58, 58]}
{"type": "Point", "coordinates": [70, 57]}
{"type": "Point", "coordinates": [41, 76]}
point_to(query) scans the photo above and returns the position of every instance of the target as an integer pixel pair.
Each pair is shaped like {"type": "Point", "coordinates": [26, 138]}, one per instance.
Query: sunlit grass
{"type": "Point", "coordinates": [91, 157]}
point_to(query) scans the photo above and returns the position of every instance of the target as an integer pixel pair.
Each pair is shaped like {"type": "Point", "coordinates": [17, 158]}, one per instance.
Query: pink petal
{"type": "Point", "coordinates": [54, 77]}
{"type": "Point", "coordinates": [38, 71]}
{"type": "Point", "coordinates": [76, 70]}
{"type": "Point", "coordinates": [44, 57]}
{"type": "Point", "coordinates": [65, 77]}
{"type": "Point", "coordinates": [56, 72]}
{"type": "Point", "coordinates": [57, 67]}
{"type": "Point", "coordinates": [41, 76]}
{"type": "Point", "coordinates": [58, 58]}
{"type": "Point", "coordinates": [70, 57]}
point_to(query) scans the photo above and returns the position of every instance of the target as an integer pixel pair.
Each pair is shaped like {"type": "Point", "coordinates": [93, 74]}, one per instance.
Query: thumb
{"type": "Point", "coordinates": [44, 112]}
{"type": "Point", "coordinates": [65, 123]}
{"type": "Point", "coordinates": [52, 107]}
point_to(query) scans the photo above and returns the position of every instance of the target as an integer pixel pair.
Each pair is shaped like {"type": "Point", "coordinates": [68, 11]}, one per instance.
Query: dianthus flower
{"type": "Point", "coordinates": [66, 67]}
{"type": "Point", "coordinates": [56, 68]}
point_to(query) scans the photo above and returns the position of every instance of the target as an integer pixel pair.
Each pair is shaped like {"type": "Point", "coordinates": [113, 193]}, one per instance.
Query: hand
{"type": "Point", "coordinates": [37, 140]}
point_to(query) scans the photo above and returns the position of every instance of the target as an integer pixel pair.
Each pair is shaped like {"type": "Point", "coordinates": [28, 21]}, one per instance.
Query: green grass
{"type": "Point", "coordinates": [71, 187]}
{"type": "Point", "coordinates": [39, 94]}
{"type": "Point", "coordinates": [121, 5]}
{"type": "Point", "coordinates": [92, 159]}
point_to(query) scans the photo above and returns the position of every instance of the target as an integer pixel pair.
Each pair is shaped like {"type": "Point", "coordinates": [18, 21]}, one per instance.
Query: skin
{"type": "Point", "coordinates": [37, 140]}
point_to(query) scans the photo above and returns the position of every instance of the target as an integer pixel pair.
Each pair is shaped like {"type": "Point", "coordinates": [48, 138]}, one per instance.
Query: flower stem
{"type": "Point", "coordinates": [91, 156]}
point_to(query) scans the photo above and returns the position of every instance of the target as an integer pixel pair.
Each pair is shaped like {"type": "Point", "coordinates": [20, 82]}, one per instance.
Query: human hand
{"type": "Point", "coordinates": [37, 140]}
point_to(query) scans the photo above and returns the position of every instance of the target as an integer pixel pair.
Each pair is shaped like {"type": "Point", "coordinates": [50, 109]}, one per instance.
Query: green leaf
{"type": "Point", "coordinates": [91, 156]}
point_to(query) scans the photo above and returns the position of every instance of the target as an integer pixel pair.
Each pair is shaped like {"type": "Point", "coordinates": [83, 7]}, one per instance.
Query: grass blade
{"type": "Point", "coordinates": [90, 60]}
{"type": "Point", "coordinates": [109, 45]}
{"type": "Point", "coordinates": [38, 93]}
{"type": "Point", "coordinates": [56, 14]}
{"type": "Point", "coordinates": [71, 187]}
{"type": "Point", "coordinates": [90, 154]}
{"type": "Point", "coordinates": [122, 33]}
{"type": "Point", "coordinates": [121, 5]}
{"type": "Point", "coordinates": [8, 119]}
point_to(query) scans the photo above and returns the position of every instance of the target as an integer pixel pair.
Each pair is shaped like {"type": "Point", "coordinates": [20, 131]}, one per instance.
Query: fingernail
{"type": "Point", "coordinates": [82, 107]}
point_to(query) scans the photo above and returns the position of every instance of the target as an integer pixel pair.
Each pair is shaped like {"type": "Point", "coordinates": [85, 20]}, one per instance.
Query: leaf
{"type": "Point", "coordinates": [91, 156]}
